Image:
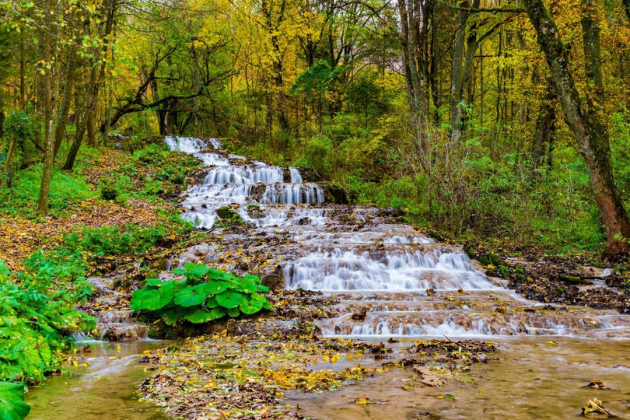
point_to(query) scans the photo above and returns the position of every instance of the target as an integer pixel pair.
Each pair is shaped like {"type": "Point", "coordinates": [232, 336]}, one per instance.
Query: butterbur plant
{"type": "Point", "coordinates": [206, 294]}
{"type": "Point", "coordinates": [37, 317]}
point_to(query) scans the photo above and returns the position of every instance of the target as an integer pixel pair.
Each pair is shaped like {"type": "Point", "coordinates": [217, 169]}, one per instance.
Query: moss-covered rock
{"type": "Point", "coordinates": [229, 217]}
{"type": "Point", "coordinates": [255, 212]}
{"type": "Point", "coordinates": [336, 194]}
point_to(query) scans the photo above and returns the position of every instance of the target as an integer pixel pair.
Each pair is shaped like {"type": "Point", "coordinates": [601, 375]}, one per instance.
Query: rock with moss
{"type": "Point", "coordinates": [336, 194]}
{"type": "Point", "coordinates": [230, 217]}
{"type": "Point", "coordinates": [255, 212]}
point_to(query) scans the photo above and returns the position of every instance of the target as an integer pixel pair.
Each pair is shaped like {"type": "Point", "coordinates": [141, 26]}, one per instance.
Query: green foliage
{"type": "Point", "coordinates": [20, 125]}
{"type": "Point", "coordinates": [109, 241]}
{"type": "Point", "coordinates": [206, 294]}
{"type": "Point", "coordinates": [316, 80]}
{"type": "Point", "coordinates": [66, 192]}
{"type": "Point", "coordinates": [151, 173]}
{"type": "Point", "coordinates": [37, 318]}
{"type": "Point", "coordinates": [109, 192]}
{"type": "Point", "coordinates": [12, 406]}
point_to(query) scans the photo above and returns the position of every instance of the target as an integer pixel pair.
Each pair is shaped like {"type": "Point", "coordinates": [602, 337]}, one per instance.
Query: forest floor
{"type": "Point", "coordinates": [80, 203]}
{"type": "Point", "coordinates": [271, 354]}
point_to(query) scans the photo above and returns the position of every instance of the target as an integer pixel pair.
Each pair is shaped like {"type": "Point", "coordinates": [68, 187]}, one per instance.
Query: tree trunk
{"type": "Point", "coordinates": [91, 128]}
{"type": "Point", "coordinates": [419, 68]}
{"type": "Point", "coordinates": [62, 118]}
{"type": "Point", "coordinates": [23, 70]}
{"type": "Point", "coordinates": [592, 51]}
{"type": "Point", "coordinates": [87, 122]}
{"type": "Point", "coordinates": [591, 134]}
{"type": "Point", "coordinates": [459, 113]}
{"type": "Point", "coordinates": [82, 123]}
{"type": "Point", "coordinates": [8, 160]}
{"type": "Point", "coordinates": [42, 206]}
{"type": "Point", "coordinates": [545, 129]}
{"type": "Point", "coordinates": [456, 80]}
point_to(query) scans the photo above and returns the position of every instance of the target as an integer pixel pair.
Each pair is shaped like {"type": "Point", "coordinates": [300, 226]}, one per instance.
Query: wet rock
{"type": "Point", "coordinates": [573, 279]}
{"type": "Point", "coordinates": [359, 315]}
{"type": "Point", "coordinates": [255, 212]}
{"type": "Point", "coordinates": [597, 384]}
{"type": "Point", "coordinates": [256, 191]}
{"type": "Point", "coordinates": [274, 280]}
{"type": "Point", "coordinates": [229, 216]}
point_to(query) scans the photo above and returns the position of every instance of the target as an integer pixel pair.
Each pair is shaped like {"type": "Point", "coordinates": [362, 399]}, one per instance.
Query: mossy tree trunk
{"type": "Point", "coordinates": [591, 134]}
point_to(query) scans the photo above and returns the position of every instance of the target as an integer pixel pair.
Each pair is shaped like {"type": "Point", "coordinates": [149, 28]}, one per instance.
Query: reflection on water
{"type": "Point", "coordinates": [535, 378]}
{"type": "Point", "coordinates": [106, 389]}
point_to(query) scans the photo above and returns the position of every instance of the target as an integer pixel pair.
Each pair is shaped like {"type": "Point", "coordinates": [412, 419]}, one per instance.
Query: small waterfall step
{"type": "Point", "coordinates": [457, 323]}
{"type": "Point", "coordinates": [112, 324]}
{"type": "Point", "coordinates": [233, 181]}
{"type": "Point", "coordinates": [387, 278]}
{"type": "Point", "coordinates": [410, 271]}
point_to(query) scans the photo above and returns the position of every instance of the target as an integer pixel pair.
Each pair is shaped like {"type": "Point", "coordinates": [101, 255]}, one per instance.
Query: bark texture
{"type": "Point", "coordinates": [591, 134]}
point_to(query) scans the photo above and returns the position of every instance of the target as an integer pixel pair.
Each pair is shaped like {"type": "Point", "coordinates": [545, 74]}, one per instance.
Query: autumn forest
{"type": "Point", "coordinates": [181, 173]}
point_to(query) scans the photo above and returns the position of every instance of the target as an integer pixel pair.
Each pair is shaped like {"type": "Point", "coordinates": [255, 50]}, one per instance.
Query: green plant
{"type": "Point", "coordinates": [66, 192]}
{"type": "Point", "coordinates": [12, 406]}
{"type": "Point", "coordinates": [206, 294]}
{"type": "Point", "coordinates": [37, 318]}
{"type": "Point", "coordinates": [108, 191]}
{"type": "Point", "coordinates": [113, 240]}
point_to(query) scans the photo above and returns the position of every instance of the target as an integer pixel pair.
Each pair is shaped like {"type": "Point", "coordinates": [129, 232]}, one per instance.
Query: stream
{"type": "Point", "coordinates": [404, 286]}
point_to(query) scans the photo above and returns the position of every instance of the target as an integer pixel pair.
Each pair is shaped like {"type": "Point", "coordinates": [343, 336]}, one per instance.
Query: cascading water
{"type": "Point", "coordinates": [417, 271]}
{"type": "Point", "coordinates": [237, 184]}
{"type": "Point", "coordinates": [296, 178]}
{"type": "Point", "coordinates": [432, 289]}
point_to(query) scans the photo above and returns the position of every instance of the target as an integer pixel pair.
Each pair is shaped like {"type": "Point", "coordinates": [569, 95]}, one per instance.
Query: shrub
{"type": "Point", "coordinates": [37, 318]}
{"type": "Point", "coordinates": [206, 294]}
{"type": "Point", "coordinates": [109, 192]}
{"type": "Point", "coordinates": [113, 240]}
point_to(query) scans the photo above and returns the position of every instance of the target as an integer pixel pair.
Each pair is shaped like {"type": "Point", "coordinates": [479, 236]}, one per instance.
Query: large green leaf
{"type": "Point", "coordinates": [257, 296]}
{"type": "Point", "coordinates": [192, 271]}
{"type": "Point", "coordinates": [247, 285]}
{"type": "Point", "coordinates": [190, 296]}
{"type": "Point", "coordinates": [218, 312]}
{"type": "Point", "coordinates": [234, 312]}
{"type": "Point", "coordinates": [250, 306]}
{"type": "Point", "coordinates": [253, 278]}
{"type": "Point", "coordinates": [196, 271]}
{"type": "Point", "coordinates": [12, 406]}
{"type": "Point", "coordinates": [211, 303]}
{"type": "Point", "coordinates": [215, 287]}
{"type": "Point", "coordinates": [154, 282]}
{"type": "Point", "coordinates": [229, 299]}
{"type": "Point", "coordinates": [200, 316]}
{"type": "Point", "coordinates": [153, 299]}
{"type": "Point", "coordinates": [170, 316]}
{"type": "Point", "coordinates": [214, 274]}
{"type": "Point", "coordinates": [262, 288]}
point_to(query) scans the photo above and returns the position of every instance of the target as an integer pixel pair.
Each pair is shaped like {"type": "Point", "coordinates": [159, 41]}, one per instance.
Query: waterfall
{"type": "Point", "coordinates": [233, 181]}
{"type": "Point", "coordinates": [296, 178]}
{"type": "Point", "coordinates": [339, 270]}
